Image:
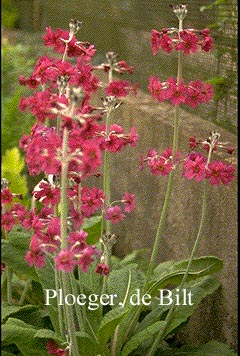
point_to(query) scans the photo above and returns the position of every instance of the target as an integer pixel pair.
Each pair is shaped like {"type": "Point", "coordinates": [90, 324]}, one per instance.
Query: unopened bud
{"type": "Point", "coordinates": [74, 26]}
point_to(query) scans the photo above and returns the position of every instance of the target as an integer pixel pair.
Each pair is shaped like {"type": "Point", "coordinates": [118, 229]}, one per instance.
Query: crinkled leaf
{"type": "Point", "coordinates": [212, 348]}
{"type": "Point", "coordinates": [124, 283]}
{"type": "Point", "coordinates": [200, 289]}
{"type": "Point", "coordinates": [46, 277]}
{"type": "Point", "coordinates": [8, 309]}
{"type": "Point", "coordinates": [109, 323]}
{"type": "Point", "coordinates": [137, 257]}
{"type": "Point", "coordinates": [173, 274]}
{"type": "Point", "coordinates": [13, 256]}
{"type": "Point", "coordinates": [87, 344]}
{"type": "Point", "coordinates": [22, 335]}
{"type": "Point", "coordinates": [48, 334]}
{"type": "Point", "coordinates": [142, 336]}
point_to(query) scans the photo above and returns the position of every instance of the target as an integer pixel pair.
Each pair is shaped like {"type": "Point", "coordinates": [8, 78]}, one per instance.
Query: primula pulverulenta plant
{"type": "Point", "coordinates": [76, 298]}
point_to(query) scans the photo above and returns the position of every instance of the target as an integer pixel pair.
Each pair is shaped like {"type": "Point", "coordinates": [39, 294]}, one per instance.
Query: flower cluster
{"type": "Point", "coordinates": [188, 41]}
{"type": "Point", "coordinates": [194, 93]}
{"type": "Point", "coordinates": [61, 103]}
{"type": "Point", "coordinates": [195, 165]}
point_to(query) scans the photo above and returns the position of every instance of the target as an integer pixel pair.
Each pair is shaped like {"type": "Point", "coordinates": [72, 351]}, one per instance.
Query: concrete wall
{"type": "Point", "coordinates": [216, 318]}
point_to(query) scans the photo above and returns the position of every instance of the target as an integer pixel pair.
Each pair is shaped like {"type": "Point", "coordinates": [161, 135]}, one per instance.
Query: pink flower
{"type": "Point", "coordinates": [219, 172]}
{"type": "Point", "coordinates": [92, 200]}
{"type": "Point", "coordinates": [65, 260]}
{"type": "Point", "coordinates": [176, 92]}
{"type": "Point", "coordinates": [166, 43]}
{"type": "Point", "coordinates": [35, 255]}
{"type": "Point", "coordinates": [188, 43]}
{"type": "Point", "coordinates": [102, 268]}
{"type": "Point", "coordinates": [207, 42]}
{"type": "Point", "coordinates": [129, 201]}
{"type": "Point", "coordinates": [155, 41]}
{"type": "Point", "coordinates": [87, 257]}
{"type": "Point", "coordinates": [77, 241]}
{"type": "Point", "coordinates": [53, 349]}
{"type": "Point", "coordinates": [33, 259]}
{"type": "Point", "coordinates": [118, 88]}
{"type": "Point", "coordinates": [160, 166]}
{"type": "Point", "coordinates": [123, 67]}
{"type": "Point", "coordinates": [114, 213]}
{"type": "Point", "coordinates": [47, 194]}
{"type": "Point", "coordinates": [8, 221]}
{"type": "Point", "coordinates": [194, 166]}
{"type": "Point", "coordinates": [6, 196]}
{"type": "Point", "coordinates": [156, 89]}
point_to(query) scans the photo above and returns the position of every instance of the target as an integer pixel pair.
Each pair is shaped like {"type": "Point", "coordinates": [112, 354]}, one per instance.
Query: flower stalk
{"type": "Point", "coordinates": [160, 229]}
{"type": "Point", "coordinates": [161, 334]}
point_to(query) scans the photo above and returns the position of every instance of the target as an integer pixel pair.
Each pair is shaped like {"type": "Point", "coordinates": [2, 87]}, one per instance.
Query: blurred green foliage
{"type": "Point", "coordinates": [12, 167]}
{"type": "Point", "coordinates": [10, 15]}
{"type": "Point", "coordinates": [15, 61]}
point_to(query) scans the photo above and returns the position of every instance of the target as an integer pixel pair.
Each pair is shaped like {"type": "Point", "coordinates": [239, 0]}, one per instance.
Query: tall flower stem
{"type": "Point", "coordinates": [161, 334]}
{"type": "Point", "coordinates": [64, 216]}
{"type": "Point", "coordinates": [165, 208]}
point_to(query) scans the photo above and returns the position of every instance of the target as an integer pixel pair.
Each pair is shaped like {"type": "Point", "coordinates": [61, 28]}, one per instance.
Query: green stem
{"type": "Point", "coordinates": [64, 199]}
{"type": "Point", "coordinates": [161, 334]}
{"type": "Point", "coordinates": [24, 292]}
{"type": "Point", "coordinates": [80, 319]}
{"type": "Point", "coordinates": [9, 283]}
{"type": "Point", "coordinates": [69, 325]}
{"type": "Point", "coordinates": [163, 216]}
{"type": "Point", "coordinates": [60, 309]}
{"type": "Point", "coordinates": [69, 317]}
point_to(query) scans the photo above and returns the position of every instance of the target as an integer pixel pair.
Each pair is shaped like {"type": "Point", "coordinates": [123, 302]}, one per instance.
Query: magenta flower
{"type": "Point", "coordinates": [176, 93]}
{"type": "Point", "coordinates": [65, 260]}
{"type": "Point", "coordinates": [194, 166]}
{"type": "Point", "coordinates": [92, 200]}
{"type": "Point", "coordinates": [188, 43]}
{"type": "Point", "coordinates": [155, 41]}
{"type": "Point", "coordinates": [87, 257]}
{"type": "Point", "coordinates": [47, 194]}
{"type": "Point", "coordinates": [129, 202]}
{"type": "Point", "coordinates": [219, 172]}
{"type": "Point", "coordinates": [6, 196]}
{"type": "Point", "coordinates": [114, 214]}
{"type": "Point", "coordinates": [7, 221]}
{"type": "Point", "coordinates": [156, 89]}
{"type": "Point", "coordinates": [102, 268]}
{"type": "Point", "coordinates": [35, 256]}
{"type": "Point", "coordinates": [118, 88]}
{"type": "Point", "coordinates": [166, 43]}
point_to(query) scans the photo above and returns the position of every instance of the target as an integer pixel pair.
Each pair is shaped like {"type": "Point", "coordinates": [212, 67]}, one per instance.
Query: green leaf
{"type": "Point", "coordinates": [5, 353]}
{"type": "Point", "coordinates": [137, 257]}
{"type": "Point", "coordinates": [199, 288]}
{"type": "Point", "coordinates": [124, 283]}
{"type": "Point", "coordinates": [212, 348]}
{"type": "Point", "coordinates": [142, 336]}
{"type": "Point", "coordinates": [93, 227]}
{"type": "Point", "coordinates": [86, 344]}
{"type": "Point", "coordinates": [8, 309]}
{"type": "Point", "coordinates": [13, 255]}
{"type": "Point", "coordinates": [109, 323]}
{"type": "Point", "coordinates": [46, 277]}
{"type": "Point", "coordinates": [22, 335]}
{"type": "Point", "coordinates": [48, 334]}
{"type": "Point", "coordinates": [173, 274]}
